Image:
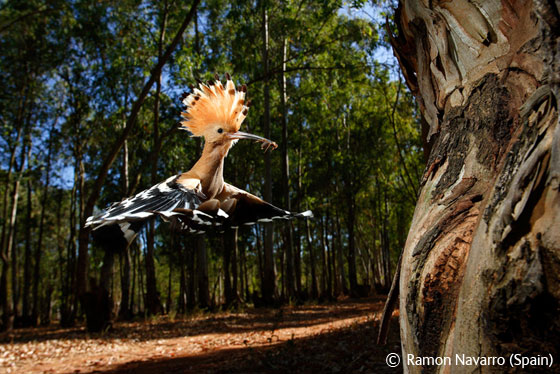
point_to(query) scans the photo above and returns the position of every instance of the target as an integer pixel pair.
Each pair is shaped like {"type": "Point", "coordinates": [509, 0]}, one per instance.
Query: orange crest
{"type": "Point", "coordinates": [212, 103]}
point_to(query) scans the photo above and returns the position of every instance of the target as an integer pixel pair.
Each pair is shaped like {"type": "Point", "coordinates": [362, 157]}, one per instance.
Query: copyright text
{"type": "Point", "coordinates": [514, 360]}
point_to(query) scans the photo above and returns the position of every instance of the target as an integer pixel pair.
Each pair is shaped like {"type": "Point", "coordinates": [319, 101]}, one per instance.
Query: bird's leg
{"type": "Point", "coordinates": [192, 184]}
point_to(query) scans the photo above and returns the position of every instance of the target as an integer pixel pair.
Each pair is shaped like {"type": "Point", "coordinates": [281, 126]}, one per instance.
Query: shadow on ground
{"type": "Point", "coordinates": [256, 320]}
{"type": "Point", "coordinates": [349, 350]}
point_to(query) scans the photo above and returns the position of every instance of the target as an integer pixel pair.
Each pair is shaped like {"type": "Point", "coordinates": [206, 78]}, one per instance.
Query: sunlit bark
{"type": "Point", "coordinates": [480, 268]}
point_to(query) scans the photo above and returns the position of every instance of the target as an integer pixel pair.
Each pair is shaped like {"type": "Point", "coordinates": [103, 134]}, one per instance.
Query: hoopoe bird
{"type": "Point", "coordinates": [198, 200]}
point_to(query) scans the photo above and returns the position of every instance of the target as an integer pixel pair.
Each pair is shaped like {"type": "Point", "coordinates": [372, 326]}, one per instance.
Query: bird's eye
{"type": "Point", "coordinates": [220, 130]}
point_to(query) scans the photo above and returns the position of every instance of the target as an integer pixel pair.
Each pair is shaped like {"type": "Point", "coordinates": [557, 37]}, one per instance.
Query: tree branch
{"type": "Point", "coordinates": [390, 303]}
{"type": "Point", "coordinates": [24, 16]}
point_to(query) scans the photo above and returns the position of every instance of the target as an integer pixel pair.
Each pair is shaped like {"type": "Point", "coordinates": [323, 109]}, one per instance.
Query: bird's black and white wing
{"type": "Point", "coordinates": [233, 207]}
{"type": "Point", "coordinates": [117, 226]}
{"type": "Point", "coordinates": [186, 209]}
{"type": "Point", "coordinates": [248, 209]}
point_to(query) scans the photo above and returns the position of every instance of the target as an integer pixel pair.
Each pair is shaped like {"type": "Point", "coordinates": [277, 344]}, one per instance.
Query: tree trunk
{"type": "Point", "coordinates": [269, 280]}
{"type": "Point", "coordinates": [46, 303]}
{"type": "Point", "coordinates": [337, 248]}
{"type": "Point", "coordinates": [39, 248]}
{"type": "Point", "coordinates": [243, 271]}
{"type": "Point", "coordinates": [98, 299]}
{"type": "Point", "coordinates": [384, 254]}
{"type": "Point", "coordinates": [227, 251]}
{"type": "Point", "coordinates": [168, 301]}
{"type": "Point", "coordinates": [234, 265]}
{"type": "Point", "coordinates": [7, 256]}
{"type": "Point", "coordinates": [290, 264]}
{"type": "Point", "coordinates": [140, 284]}
{"type": "Point", "coordinates": [124, 256]}
{"type": "Point", "coordinates": [386, 248]}
{"type": "Point", "coordinates": [191, 275]}
{"type": "Point", "coordinates": [153, 300]}
{"type": "Point", "coordinates": [312, 265]}
{"type": "Point", "coordinates": [125, 311]}
{"type": "Point", "coordinates": [133, 259]}
{"type": "Point", "coordinates": [329, 277]}
{"type": "Point", "coordinates": [202, 272]}
{"type": "Point", "coordinates": [67, 312]}
{"type": "Point", "coordinates": [259, 250]}
{"type": "Point", "coordinates": [12, 238]}
{"type": "Point", "coordinates": [182, 302]}
{"type": "Point", "coordinates": [8, 180]}
{"type": "Point", "coordinates": [296, 245]}
{"type": "Point", "coordinates": [14, 276]}
{"type": "Point", "coordinates": [27, 259]}
{"type": "Point", "coordinates": [480, 270]}
{"type": "Point", "coordinates": [350, 221]}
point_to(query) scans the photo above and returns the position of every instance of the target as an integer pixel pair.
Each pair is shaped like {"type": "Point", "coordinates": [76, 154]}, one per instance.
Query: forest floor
{"type": "Point", "coordinates": [327, 338]}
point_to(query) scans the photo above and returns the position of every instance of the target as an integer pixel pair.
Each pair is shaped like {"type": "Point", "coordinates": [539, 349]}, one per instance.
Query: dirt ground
{"type": "Point", "coordinates": [332, 338]}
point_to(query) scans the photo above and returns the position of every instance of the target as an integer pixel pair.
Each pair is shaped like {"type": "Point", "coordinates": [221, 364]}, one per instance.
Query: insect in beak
{"type": "Point", "coordinates": [265, 143]}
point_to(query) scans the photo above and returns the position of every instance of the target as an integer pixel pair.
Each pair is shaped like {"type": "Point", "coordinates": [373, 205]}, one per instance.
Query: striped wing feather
{"type": "Point", "coordinates": [117, 227]}
{"type": "Point", "coordinates": [250, 209]}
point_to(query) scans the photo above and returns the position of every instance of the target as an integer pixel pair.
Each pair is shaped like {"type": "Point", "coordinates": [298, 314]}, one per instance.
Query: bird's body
{"type": "Point", "coordinates": [198, 200]}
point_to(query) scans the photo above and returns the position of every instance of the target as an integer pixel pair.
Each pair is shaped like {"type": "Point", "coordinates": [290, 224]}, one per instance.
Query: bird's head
{"type": "Point", "coordinates": [216, 112]}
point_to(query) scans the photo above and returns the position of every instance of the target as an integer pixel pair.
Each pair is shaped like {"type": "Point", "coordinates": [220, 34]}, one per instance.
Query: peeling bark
{"type": "Point", "coordinates": [481, 266]}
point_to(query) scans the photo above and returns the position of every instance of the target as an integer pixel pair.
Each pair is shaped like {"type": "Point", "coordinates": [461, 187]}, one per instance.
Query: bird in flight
{"type": "Point", "coordinates": [198, 200]}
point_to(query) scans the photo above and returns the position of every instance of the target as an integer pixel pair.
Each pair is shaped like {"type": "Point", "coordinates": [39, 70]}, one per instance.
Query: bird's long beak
{"type": "Point", "coordinates": [266, 143]}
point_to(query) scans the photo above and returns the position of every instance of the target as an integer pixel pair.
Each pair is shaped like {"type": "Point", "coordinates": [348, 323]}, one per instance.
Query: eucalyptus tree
{"type": "Point", "coordinates": [480, 264]}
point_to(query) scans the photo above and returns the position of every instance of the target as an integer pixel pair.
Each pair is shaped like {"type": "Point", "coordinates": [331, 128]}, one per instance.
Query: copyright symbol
{"type": "Point", "coordinates": [393, 360]}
